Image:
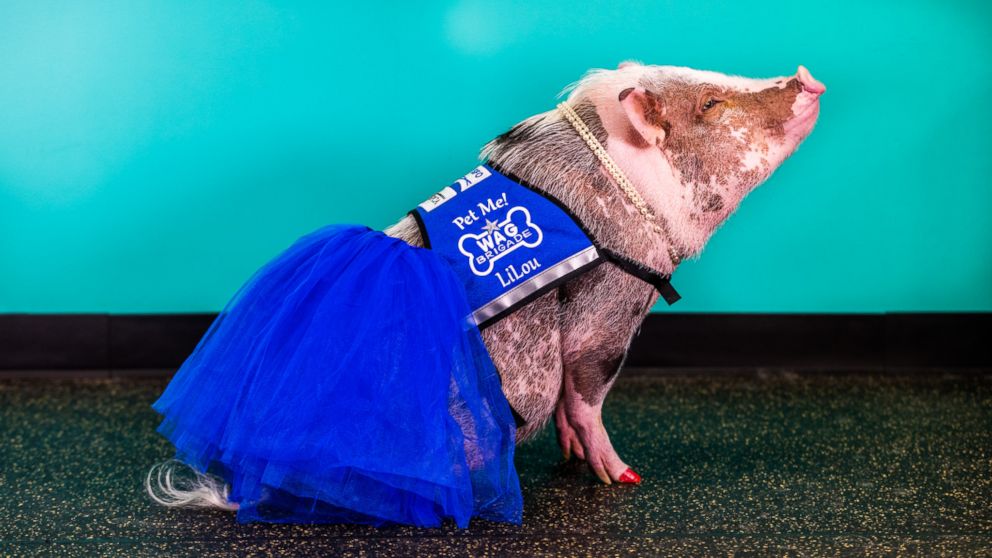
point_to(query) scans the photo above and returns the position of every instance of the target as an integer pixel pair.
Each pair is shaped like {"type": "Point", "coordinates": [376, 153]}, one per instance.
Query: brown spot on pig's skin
{"type": "Point", "coordinates": [702, 145]}
{"type": "Point", "coordinates": [713, 202]}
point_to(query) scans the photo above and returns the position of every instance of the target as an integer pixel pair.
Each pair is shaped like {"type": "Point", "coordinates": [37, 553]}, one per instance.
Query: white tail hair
{"type": "Point", "coordinates": [201, 491]}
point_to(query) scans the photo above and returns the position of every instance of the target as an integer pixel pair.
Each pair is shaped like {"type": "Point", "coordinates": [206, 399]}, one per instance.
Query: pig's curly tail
{"type": "Point", "coordinates": [167, 488]}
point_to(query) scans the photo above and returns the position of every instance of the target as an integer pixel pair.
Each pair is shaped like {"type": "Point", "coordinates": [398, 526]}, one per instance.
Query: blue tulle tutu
{"type": "Point", "coordinates": [343, 383]}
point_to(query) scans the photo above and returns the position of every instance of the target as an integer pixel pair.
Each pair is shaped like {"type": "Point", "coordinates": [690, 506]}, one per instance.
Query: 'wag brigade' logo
{"type": "Point", "coordinates": [499, 239]}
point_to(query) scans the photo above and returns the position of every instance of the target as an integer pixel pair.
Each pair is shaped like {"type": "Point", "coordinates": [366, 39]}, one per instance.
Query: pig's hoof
{"type": "Point", "coordinates": [629, 477]}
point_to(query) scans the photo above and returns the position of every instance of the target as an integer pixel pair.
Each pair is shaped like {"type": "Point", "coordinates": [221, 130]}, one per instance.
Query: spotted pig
{"type": "Point", "coordinates": [693, 143]}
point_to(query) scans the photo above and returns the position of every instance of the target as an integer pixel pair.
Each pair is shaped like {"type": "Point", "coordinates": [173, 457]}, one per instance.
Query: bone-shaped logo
{"type": "Point", "coordinates": [499, 239]}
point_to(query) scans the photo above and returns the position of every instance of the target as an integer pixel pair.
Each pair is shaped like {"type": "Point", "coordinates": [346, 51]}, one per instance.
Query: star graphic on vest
{"type": "Point", "coordinates": [490, 226]}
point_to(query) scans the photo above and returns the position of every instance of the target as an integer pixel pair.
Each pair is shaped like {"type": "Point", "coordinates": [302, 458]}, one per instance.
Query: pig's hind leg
{"type": "Point", "coordinates": [601, 313]}
{"type": "Point", "coordinates": [526, 348]}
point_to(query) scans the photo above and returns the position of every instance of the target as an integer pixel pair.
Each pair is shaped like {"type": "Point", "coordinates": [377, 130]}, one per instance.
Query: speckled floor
{"type": "Point", "coordinates": [750, 464]}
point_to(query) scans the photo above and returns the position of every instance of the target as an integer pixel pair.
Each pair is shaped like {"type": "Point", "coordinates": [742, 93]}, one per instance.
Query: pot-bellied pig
{"type": "Point", "coordinates": [693, 144]}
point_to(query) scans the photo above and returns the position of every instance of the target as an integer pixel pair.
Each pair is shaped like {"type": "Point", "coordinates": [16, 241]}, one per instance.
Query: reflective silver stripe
{"type": "Point", "coordinates": [533, 284]}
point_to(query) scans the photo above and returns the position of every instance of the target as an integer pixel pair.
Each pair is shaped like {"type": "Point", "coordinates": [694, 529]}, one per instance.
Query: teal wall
{"type": "Point", "coordinates": [154, 154]}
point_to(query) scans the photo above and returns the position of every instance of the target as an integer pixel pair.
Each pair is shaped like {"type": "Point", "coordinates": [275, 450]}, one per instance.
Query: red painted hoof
{"type": "Point", "coordinates": [630, 477]}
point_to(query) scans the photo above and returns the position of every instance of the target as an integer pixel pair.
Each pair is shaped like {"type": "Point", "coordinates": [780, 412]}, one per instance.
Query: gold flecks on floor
{"type": "Point", "coordinates": [733, 465]}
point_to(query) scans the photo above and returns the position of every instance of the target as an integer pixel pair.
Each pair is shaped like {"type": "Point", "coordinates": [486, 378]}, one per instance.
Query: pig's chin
{"type": "Point", "coordinates": [795, 131]}
{"type": "Point", "coordinates": [800, 125]}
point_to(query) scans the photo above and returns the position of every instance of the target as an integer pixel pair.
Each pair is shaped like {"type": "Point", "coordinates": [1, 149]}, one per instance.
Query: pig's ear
{"type": "Point", "coordinates": [646, 114]}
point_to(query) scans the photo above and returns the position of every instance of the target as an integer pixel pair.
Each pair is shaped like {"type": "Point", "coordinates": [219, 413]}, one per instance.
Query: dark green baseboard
{"type": "Point", "coordinates": [159, 343]}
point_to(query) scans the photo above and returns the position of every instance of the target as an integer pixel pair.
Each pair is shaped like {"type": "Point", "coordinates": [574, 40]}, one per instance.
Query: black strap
{"type": "Point", "coordinates": [660, 282]}
{"type": "Point", "coordinates": [517, 418]}
{"type": "Point", "coordinates": [424, 237]}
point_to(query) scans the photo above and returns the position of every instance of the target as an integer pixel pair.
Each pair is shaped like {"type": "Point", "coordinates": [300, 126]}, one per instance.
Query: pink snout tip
{"type": "Point", "coordinates": [809, 82]}
{"type": "Point", "coordinates": [629, 477]}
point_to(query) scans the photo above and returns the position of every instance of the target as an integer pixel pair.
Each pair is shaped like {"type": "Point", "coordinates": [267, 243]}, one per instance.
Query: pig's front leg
{"type": "Point", "coordinates": [601, 312]}
{"type": "Point", "coordinates": [581, 432]}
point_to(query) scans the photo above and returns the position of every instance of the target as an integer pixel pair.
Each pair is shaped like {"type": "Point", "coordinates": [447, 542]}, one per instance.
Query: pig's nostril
{"type": "Point", "coordinates": [808, 82]}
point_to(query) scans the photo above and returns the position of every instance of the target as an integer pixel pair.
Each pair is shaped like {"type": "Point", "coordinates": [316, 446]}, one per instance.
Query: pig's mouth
{"type": "Point", "coordinates": [804, 120]}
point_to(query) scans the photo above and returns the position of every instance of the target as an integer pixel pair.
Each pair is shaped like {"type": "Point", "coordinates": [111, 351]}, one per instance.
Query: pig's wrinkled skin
{"type": "Point", "coordinates": [693, 143]}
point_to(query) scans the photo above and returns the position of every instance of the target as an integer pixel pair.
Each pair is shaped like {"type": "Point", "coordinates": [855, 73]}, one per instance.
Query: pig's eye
{"type": "Point", "coordinates": [710, 103]}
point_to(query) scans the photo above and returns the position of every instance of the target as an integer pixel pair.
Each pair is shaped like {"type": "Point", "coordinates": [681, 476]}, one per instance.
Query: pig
{"type": "Point", "coordinates": [693, 143]}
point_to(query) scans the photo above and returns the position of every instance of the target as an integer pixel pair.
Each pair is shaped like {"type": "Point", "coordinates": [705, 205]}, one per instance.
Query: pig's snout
{"type": "Point", "coordinates": [806, 106]}
{"type": "Point", "coordinates": [809, 83]}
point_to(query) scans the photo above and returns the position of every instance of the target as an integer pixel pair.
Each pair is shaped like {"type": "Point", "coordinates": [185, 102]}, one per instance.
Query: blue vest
{"type": "Point", "coordinates": [510, 243]}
